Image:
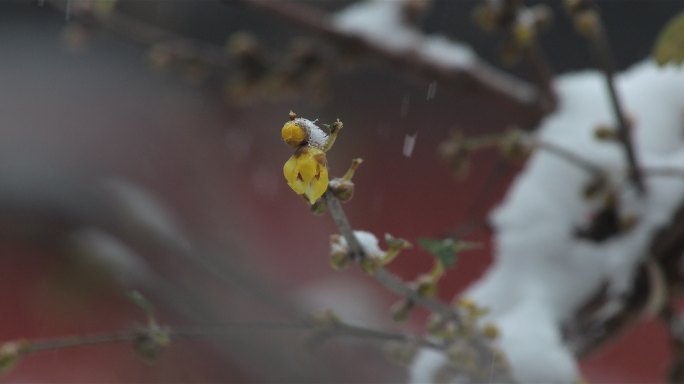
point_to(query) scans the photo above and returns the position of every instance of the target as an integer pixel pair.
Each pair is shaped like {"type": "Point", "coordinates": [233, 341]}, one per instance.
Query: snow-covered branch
{"type": "Point", "coordinates": [377, 31]}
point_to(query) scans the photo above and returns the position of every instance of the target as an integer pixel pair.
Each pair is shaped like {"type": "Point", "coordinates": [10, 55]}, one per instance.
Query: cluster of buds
{"type": "Point", "coordinates": [306, 171]}
{"type": "Point", "coordinates": [303, 69]}
{"type": "Point", "coordinates": [520, 24]}
{"type": "Point", "coordinates": [457, 149]}
{"type": "Point", "coordinates": [469, 328]}
{"type": "Point", "coordinates": [462, 351]}
{"type": "Point", "coordinates": [189, 61]}
{"type": "Point", "coordinates": [514, 145]}
{"type": "Point", "coordinates": [585, 17]}
{"type": "Point", "coordinates": [151, 340]}
{"type": "Point", "coordinates": [76, 35]}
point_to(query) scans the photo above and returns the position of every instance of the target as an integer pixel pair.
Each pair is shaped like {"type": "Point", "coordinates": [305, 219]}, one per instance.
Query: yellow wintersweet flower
{"type": "Point", "coordinates": [306, 172]}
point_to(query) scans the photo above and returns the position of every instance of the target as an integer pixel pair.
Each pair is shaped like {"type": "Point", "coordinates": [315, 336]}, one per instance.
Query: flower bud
{"type": "Point", "coordinates": [486, 17]}
{"type": "Point", "coordinates": [339, 253]}
{"type": "Point", "coordinates": [293, 134]}
{"type": "Point", "coordinates": [10, 354]}
{"type": "Point", "coordinates": [513, 145]}
{"type": "Point", "coordinates": [342, 189]}
{"type": "Point", "coordinates": [543, 16]}
{"type": "Point", "coordinates": [325, 319]}
{"type": "Point", "coordinates": [575, 5]}
{"type": "Point", "coordinates": [603, 132]}
{"type": "Point", "coordinates": [339, 261]}
{"type": "Point", "coordinates": [370, 265]}
{"type": "Point", "coordinates": [524, 34]}
{"type": "Point", "coordinates": [587, 23]}
{"type": "Point", "coordinates": [426, 286]}
{"type": "Point", "coordinates": [490, 331]}
{"type": "Point", "coordinates": [150, 341]}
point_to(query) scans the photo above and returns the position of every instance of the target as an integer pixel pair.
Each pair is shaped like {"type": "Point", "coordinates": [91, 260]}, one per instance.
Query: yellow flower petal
{"type": "Point", "coordinates": [306, 173]}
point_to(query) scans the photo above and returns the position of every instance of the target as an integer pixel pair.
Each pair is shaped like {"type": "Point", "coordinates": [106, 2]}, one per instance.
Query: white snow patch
{"type": "Point", "coordinates": [317, 137]}
{"type": "Point", "coordinates": [354, 299]}
{"type": "Point", "coordinates": [368, 242]}
{"type": "Point", "coordinates": [409, 144]}
{"type": "Point", "coordinates": [542, 273]}
{"type": "Point", "coordinates": [380, 22]}
{"type": "Point", "coordinates": [432, 91]}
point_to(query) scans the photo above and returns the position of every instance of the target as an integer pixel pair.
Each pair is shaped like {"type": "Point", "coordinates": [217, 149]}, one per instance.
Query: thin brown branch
{"type": "Point", "coordinates": [43, 345]}
{"type": "Point", "coordinates": [148, 35]}
{"type": "Point", "coordinates": [567, 155]}
{"type": "Point", "coordinates": [544, 75]}
{"type": "Point", "coordinates": [602, 50]}
{"type": "Point", "coordinates": [499, 89]}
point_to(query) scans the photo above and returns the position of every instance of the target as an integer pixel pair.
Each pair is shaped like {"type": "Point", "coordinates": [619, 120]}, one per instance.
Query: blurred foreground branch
{"type": "Point", "coordinates": [149, 341]}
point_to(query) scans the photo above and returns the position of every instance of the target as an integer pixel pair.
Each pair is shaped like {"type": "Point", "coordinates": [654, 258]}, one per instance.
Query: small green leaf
{"type": "Point", "coordinates": [669, 46]}
{"type": "Point", "coordinates": [445, 250]}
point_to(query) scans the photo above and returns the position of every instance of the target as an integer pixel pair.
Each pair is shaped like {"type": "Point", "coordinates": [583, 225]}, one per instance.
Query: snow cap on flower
{"type": "Point", "coordinates": [317, 137]}
{"type": "Point", "coordinates": [300, 131]}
